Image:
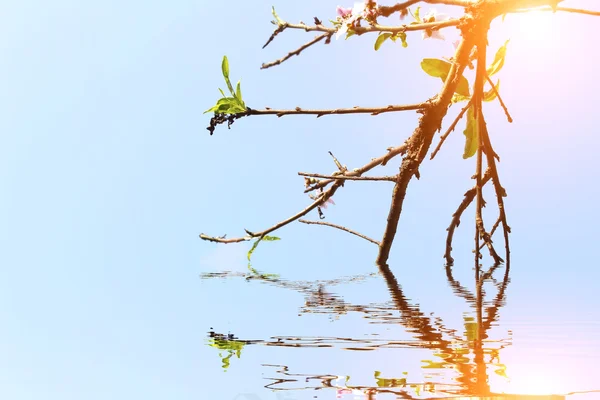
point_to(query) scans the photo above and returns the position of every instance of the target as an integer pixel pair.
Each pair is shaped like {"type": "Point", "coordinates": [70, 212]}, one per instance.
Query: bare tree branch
{"type": "Point", "coordinates": [508, 117]}
{"type": "Point", "coordinates": [418, 144]}
{"type": "Point", "coordinates": [450, 129]}
{"type": "Point", "coordinates": [332, 111]}
{"type": "Point", "coordinates": [360, 235]}
{"type": "Point", "coordinates": [392, 152]}
{"type": "Point", "coordinates": [349, 178]}
{"type": "Point", "coordinates": [467, 200]}
{"type": "Point", "coordinates": [297, 51]}
{"type": "Point", "coordinates": [251, 235]}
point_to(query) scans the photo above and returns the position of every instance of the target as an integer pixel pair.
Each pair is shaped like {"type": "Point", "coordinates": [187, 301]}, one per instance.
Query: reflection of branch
{"type": "Point", "coordinates": [360, 235]}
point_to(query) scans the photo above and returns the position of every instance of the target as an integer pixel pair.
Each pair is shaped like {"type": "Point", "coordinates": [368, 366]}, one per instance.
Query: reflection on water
{"type": "Point", "coordinates": [461, 364]}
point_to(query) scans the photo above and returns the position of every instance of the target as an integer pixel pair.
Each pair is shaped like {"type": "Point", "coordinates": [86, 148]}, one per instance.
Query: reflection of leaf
{"type": "Point", "coordinates": [433, 364]}
{"type": "Point", "coordinates": [231, 346]}
{"type": "Point", "coordinates": [471, 328]}
{"type": "Point", "coordinates": [389, 382]}
{"type": "Point", "coordinates": [498, 60]}
{"type": "Point", "coordinates": [501, 370]}
{"type": "Point", "coordinates": [440, 69]}
{"type": "Point", "coordinates": [471, 135]}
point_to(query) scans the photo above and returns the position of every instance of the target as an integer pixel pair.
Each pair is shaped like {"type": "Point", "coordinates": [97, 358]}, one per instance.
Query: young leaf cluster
{"type": "Point", "coordinates": [229, 105]}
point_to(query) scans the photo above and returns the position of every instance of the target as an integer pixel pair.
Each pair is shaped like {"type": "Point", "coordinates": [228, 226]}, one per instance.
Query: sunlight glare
{"type": "Point", "coordinates": [536, 25]}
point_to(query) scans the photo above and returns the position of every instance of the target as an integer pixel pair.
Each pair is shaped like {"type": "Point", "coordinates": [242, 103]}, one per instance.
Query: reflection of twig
{"type": "Point", "coordinates": [343, 228]}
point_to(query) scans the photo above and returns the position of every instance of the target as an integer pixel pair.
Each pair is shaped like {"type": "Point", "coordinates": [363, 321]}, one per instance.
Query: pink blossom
{"type": "Point", "coordinates": [344, 12]}
{"type": "Point", "coordinates": [357, 12]}
{"type": "Point", "coordinates": [323, 204]}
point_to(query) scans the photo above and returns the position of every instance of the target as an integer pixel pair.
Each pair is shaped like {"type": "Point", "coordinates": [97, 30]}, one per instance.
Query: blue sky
{"type": "Point", "coordinates": [108, 176]}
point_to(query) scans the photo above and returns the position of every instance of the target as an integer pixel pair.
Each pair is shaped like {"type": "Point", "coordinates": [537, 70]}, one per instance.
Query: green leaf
{"type": "Point", "coordinates": [221, 90]}
{"type": "Point", "coordinates": [270, 238]}
{"type": "Point", "coordinates": [225, 67]}
{"type": "Point", "coordinates": [491, 95]}
{"type": "Point", "coordinates": [265, 238]}
{"type": "Point", "coordinates": [349, 33]}
{"type": "Point", "coordinates": [381, 38]}
{"type": "Point", "coordinates": [416, 14]}
{"type": "Point", "coordinates": [457, 98]}
{"type": "Point", "coordinates": [402, 36]}
{"type": "Point", "coordinates": [227, 105]}
{"type": "Point", "coordinates": [498, 60]}
{"type": "Point", "coordinates": [252, 250]}
{"type": "Point", "coordinates": [238, 94]}
{"type": "Point", "coordinates": [471, 134]}
{"type": "Point", "coordinates": [279, 21]}
{"type": "Point", "coordinates": [440, 69]}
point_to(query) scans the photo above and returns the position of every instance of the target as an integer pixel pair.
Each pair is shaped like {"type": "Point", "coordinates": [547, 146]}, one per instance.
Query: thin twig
{"type": "Point", "coordinates": [563, 9]}
{"type": "Point", "coordinates": [297, 51]}
{"type": "Point", "coordinates": [455, 222]}
{"type": "Point", "coordinates": [350, 178]}
{"type": "Point", "coordinates": [343, 228]}
{"type": "Point", "coordinates": [280, 28]}
{"type": "Point", "coordinates": [578, 11]}
{"type": "Point", "coordinates": [477, 105]}
{"type": "Point", "coordinates": [451, 128]}
{"type": "Point", "coordinates": [386, 11]}
{"type": "Point", "coordinates": [500, 192]}
{"type": "Point", "coordinates": [359, 30]}
{"type": "Point", "coordinates": [392, 152]}
{"type": "Point", "coordinates": [320, 200]}
{"type": "Point", "coordinates": [508, 117]}
{"type": "Point", "coordinates": [338, 111]}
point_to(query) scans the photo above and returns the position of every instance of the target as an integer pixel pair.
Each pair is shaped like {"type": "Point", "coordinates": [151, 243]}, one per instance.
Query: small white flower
{"type": "Point", "coordinates": [433, 35]}
{"type": "Point", "coordinates": [432, 16]}
{"type": "Point", "coordinates": [349, 18]}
